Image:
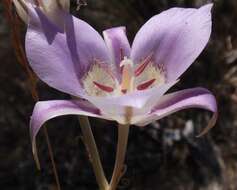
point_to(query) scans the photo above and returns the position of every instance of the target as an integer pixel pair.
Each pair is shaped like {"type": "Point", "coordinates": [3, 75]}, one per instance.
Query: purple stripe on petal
{"type": "Point", "coordinates": [118, 44]}
{"type": "Point", "coordinates": [190, 98]}
{"type": "Point", "coordinates": [61, 58]}
{"type": "Point", "coordinates": [176, 37]}
{"type": "Point", "coordinates": [47, 110]}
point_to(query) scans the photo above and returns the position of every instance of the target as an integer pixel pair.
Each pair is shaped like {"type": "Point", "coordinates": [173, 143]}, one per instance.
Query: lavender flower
{"type": "Point", "coordinates": [112, 80]}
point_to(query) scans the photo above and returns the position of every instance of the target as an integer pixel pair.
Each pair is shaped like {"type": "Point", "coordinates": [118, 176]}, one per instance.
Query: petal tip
{"type": "Point", "coordinates": [208, 7]}
{"type": "Point", "coordinates": [210, 125]}
{"type": "Point", "coordinates": [115, 29]}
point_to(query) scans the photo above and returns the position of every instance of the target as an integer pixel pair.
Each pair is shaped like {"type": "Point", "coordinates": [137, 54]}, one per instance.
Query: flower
{"type": "Point", "coordinates": [50, 8]}
{"type": "Point", "coordinates": [111, 80]}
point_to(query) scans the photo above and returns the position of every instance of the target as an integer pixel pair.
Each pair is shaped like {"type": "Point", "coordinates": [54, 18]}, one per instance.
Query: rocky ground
{"type": "Point", "coordinates": [165, 155]}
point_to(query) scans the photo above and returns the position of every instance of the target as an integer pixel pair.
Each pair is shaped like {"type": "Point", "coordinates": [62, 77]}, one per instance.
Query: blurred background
{"type": "Point", "coordinates": [165, 155]}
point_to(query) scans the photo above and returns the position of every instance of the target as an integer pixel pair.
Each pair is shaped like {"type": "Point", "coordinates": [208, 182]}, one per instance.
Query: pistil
{"type": "Point", "coordinates": [127, 75]}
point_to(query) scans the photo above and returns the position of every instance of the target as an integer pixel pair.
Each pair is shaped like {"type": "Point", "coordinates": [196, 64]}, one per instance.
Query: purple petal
{"type": "Point", "coordinates": [60, 58]}
{"type": "Point", "coordinates": [175, 38]}
{"type": "Point", "coordinates": [47, 110]}
{"type": "Point", "coordinates": [190, 98]}
{"type": "Point", "coordinates": [118, 44]}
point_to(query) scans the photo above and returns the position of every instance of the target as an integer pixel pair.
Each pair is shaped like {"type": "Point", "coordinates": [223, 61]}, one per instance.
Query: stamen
{"type": "Point", "coordinates": [142, 67]}
{"type": "Point", "coordinates": [103, 87]}
{"type": "Point", "coordinates": [127, 75]}
{"type": "Point", "coordinates": [145, 85]}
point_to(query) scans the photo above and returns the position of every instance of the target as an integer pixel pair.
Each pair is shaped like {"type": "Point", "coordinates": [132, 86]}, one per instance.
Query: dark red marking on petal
{"type": "Point", "coordinates": [103, 87]}
{"type": "Point", "coordinates": [145, 85]}
{"type": "Point", "coordinates": [124, 91]}
{"type": "Point", "coordinates": [142, 66]}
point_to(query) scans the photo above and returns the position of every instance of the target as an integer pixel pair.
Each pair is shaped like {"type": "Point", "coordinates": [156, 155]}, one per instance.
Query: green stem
{"type": "Point", "coordinates": [93, 152]}
{"type": "Point", "coordinates": [123, 131]}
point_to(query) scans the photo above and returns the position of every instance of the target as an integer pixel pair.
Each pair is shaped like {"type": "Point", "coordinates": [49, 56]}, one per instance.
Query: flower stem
{"type": "Point", "coordinates": [51, 155]}
{"type": "Point", "coordinates": [93, 152]}
{"type": "Point", "coordinates": [123, 131]}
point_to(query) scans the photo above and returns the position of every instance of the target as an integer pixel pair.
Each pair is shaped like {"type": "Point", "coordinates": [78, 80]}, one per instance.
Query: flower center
{"type": "Point", "coordinates": [100, 81]}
